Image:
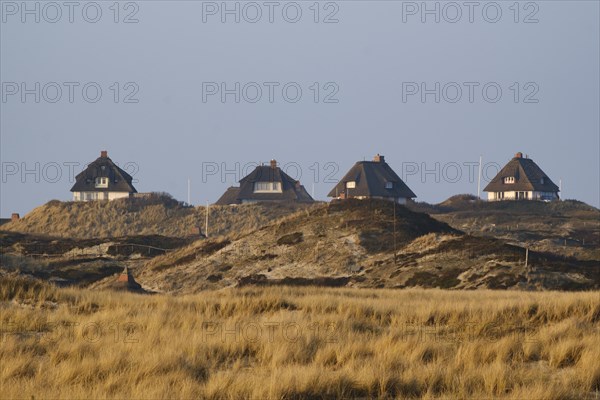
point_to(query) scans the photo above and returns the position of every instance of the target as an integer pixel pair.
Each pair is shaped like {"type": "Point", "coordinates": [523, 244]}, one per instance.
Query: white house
{"type": "Point", "coordinates": [521, 179]}
{"type": "Point", "coordinates": [102, 180]}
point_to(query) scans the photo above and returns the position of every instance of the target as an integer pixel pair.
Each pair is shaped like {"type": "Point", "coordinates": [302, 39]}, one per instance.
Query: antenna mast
{"type": "Point", "coordinates": [479, 179]}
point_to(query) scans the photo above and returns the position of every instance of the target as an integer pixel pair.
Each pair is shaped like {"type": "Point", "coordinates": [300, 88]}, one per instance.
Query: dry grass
{"type": "Point", "coordinates": [298, 343]}
{"type": "Point", "coordinates": [157, 214]}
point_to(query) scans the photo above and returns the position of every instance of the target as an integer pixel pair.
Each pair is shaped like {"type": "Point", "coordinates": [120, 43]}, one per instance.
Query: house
{"type": "Point", "coordinates": [102, 180]}
{"type": "Point", "coordinates": [521, 179]}
{"type": "Point", "coordinates": [372, 180]}
{"type": "Point", "coordinates": [266, 183]}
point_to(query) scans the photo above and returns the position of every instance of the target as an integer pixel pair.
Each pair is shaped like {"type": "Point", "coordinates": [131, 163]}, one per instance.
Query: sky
{"type": "Point", "coordinates": [180, 91]}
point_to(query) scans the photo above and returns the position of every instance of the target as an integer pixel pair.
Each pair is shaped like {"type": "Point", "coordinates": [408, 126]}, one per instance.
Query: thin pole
{"type": "Point", "coordinates": [313, 191]}
{"type": "Point", "coordinates": [526, 256]}
{"type": "Point", "coordinates": [206, 223]}
{"type": "Point", "coordinates": [189, 191]}
{"type": "Point", "coordinates": [479, 179]}
{"type": "Point", "coordinates": [395, 258]}
{"type": "Point", "coordinates": [560, 189]}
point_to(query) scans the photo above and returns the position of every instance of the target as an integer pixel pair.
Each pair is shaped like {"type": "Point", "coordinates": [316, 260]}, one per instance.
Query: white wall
{"type": "Point", "coordinates": [531, 195]}
{"type": "Point", "coordinates": [92, 196]}
{"type": "Point", "coordinates": [400, 200]}
{"type": "Point", "coordinates": [117, 195]}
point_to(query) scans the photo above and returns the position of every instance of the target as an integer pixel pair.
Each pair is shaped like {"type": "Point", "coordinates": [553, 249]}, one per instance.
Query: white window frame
{"type": "Point", "coordinates": [101, 182]}
{"type": "Point", "coordinates": [389, 185]}
{"type": "Point", "coordinates": [267, 187]}
{"type": "Point", "coordinates": [509, 179]}
{"type": "Point", "coordinates": [351, 185]}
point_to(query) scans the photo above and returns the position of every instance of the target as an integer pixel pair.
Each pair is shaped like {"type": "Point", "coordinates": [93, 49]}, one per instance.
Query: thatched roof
{"type": "Point", "coordinates": [370, 179]}
{"type": "Point", "coordinates": [231, 196]}
{"type": "Point", "coordinates": [103, 167]}
{"type": "Point", "coordinates": [291, 190]}
{"type": "Point", "coordinates": [528, 176]}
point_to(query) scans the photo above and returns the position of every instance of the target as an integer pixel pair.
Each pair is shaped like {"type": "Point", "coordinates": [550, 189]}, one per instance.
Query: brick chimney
{"type": "Point", "coordinates": [378, 158]}
{"type": "Point", "coordinates": [104, 154]}
{"type": "Point", "coordinates": [273, 164]}
{"type": "Point", "coordinates": [519, 155]}
{"type": "Point", "coordinates": [15, 217]}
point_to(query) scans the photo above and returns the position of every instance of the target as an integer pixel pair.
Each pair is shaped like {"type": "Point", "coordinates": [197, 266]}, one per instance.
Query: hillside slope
{"type": "Point", "coordinates": [351, 243]}
{"type": "Point", "coordinates": [155, 215]}
{"type": "Point", "coordinates": [570, 228]}
{"type": "Point", "coordinates": [79, 262]}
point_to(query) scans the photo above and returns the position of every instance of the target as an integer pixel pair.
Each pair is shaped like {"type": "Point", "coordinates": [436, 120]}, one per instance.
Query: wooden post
{"type": "Point", "coordinates": [526, 256]}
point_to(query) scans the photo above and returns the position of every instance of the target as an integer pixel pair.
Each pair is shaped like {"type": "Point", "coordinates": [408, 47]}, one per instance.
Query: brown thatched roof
{"type": "Point", "coordinates": [370, 179]}
{"type": "Point", "coordinates": [103, 167]}
{"type": "Point", "coordinates": [291, 190]}
{"type": "Point", "coordinates": [231, 196]}
{"type": "Point", "coordinates": [528, 176]}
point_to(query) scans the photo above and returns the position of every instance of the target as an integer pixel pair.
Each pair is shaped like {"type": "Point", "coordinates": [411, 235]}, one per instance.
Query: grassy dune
{"type": "Point", "coordinates": [286, 342]}
{"type": "Point", "coordinates": [155, 215]}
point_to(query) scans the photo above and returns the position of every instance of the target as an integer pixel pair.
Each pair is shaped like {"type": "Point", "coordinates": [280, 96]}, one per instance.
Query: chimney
{"type": "Point", "coordinates": [519, 155]}
{"type": "Point", "coordinates": [378, 158]}
{"type": "Point", "coordinates": [104, 154]}
{"type": "Point", "coordinates": [15, 217]}
{"type": "Point", "coordinates": [273, 164]}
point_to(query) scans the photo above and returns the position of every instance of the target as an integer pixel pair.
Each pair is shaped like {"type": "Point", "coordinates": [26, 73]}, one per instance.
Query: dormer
{"type": "Point", "coordinates": [101, 182]}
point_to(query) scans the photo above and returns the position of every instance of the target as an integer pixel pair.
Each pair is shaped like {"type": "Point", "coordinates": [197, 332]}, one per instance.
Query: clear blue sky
{"type": "Point", "coordinates": [371, 61]}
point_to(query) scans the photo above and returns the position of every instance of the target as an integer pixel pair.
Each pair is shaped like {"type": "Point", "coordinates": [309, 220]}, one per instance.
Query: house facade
{"type": "Point", "coordinates": [372, 180]}
{"type": "Point", "coordinates": [521, 179]}
{"type": "Point", "coordinates": [102, 180]}
{"type": "Point", "coordinates": [267, 183]}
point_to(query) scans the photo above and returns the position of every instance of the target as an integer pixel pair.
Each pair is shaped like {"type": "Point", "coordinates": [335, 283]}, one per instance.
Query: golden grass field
{"type": "Point", "coordinates": [284, 342]}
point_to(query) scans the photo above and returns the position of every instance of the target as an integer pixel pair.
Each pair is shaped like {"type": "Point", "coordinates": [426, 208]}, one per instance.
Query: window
{"type": "Point", "coordinates": [101, 182]}
{"type": "Point", "coordinates": [389, 185]}
{"type": "Point", "coordinates": [509, 179]}
{"type": "Point", "coordinates": [350, 185]}
{"type": "Point", "coordinates": [267, 187]}
{"type": "Point", "coordinates": [542, 180]}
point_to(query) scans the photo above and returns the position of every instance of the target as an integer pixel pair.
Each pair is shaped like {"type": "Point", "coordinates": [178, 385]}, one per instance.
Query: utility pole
{"type": "Point", "coordinates": [479, 178]}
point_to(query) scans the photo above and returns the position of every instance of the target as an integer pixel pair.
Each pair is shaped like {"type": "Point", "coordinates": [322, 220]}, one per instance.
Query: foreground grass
{"type": "Point", "coordinates": [298, 343]}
